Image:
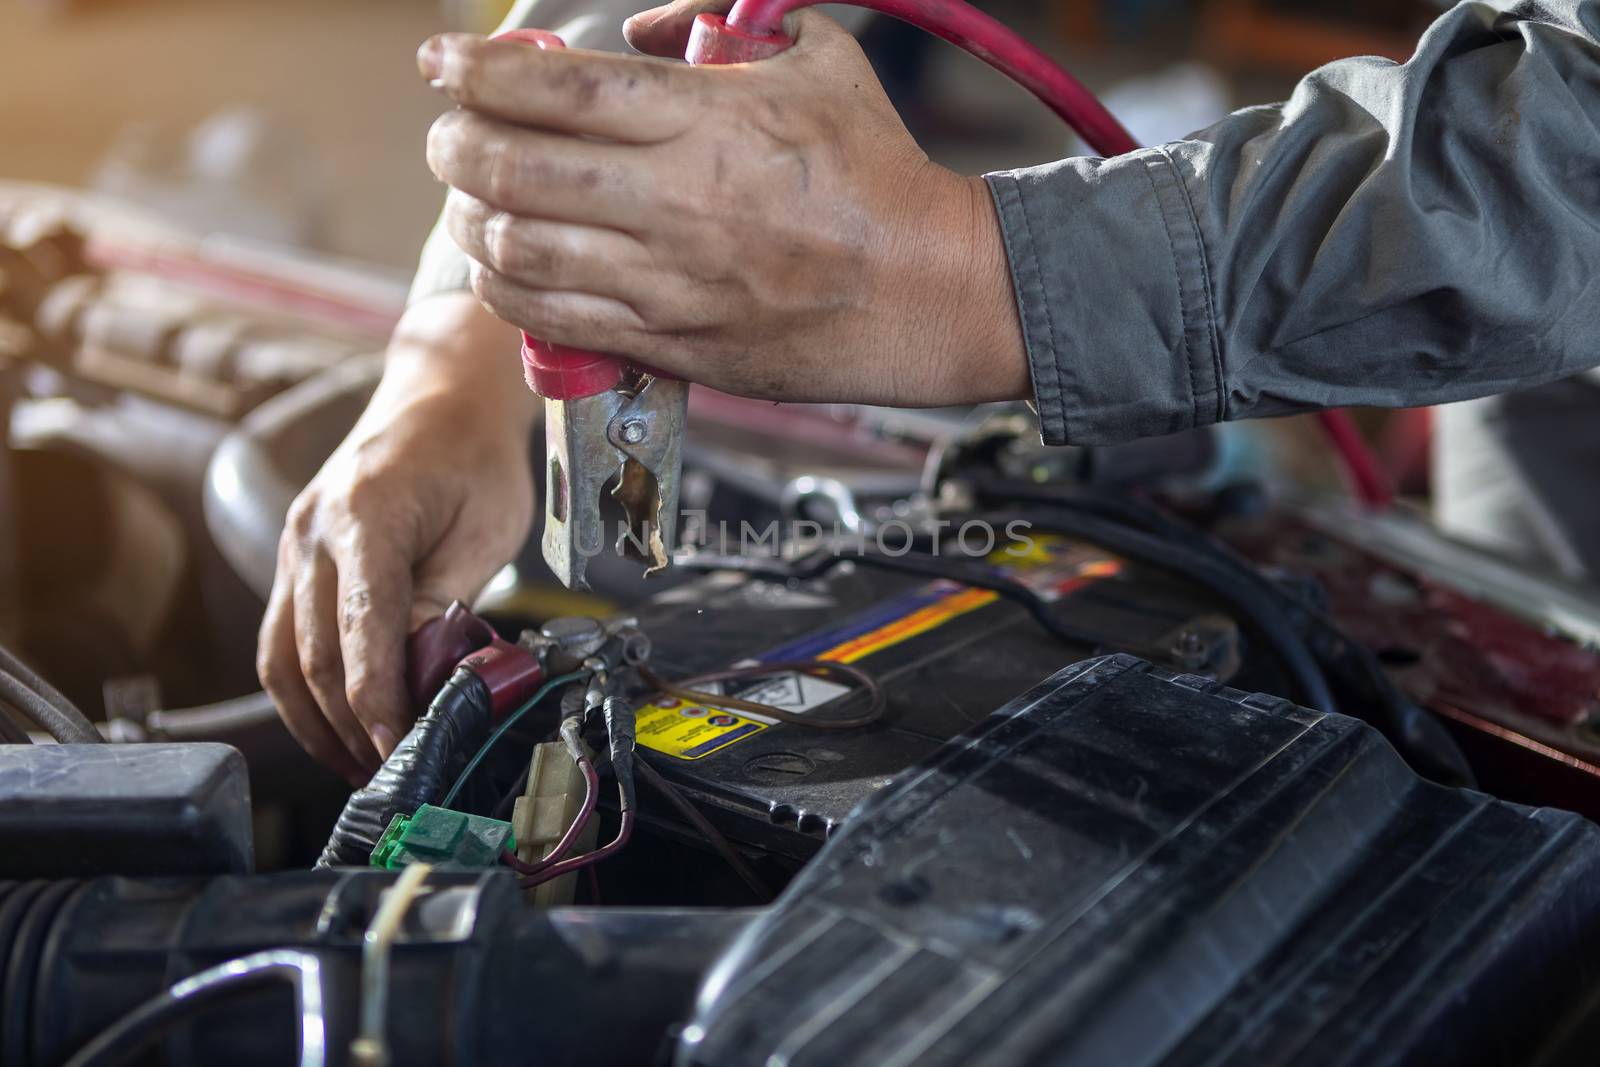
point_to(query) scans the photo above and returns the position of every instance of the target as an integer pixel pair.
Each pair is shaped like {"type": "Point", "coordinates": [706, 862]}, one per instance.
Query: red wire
{"type": "Point", "coordinates": [1000, 47]}
{"type": "Point", "coordinates": [1368, 480]}
{"type": "Point", "coordinates": [991, 41]}
{"type": "Point", "coordinates": [550, 874]}
{"type": "Point", "coordinates": [591, 793]}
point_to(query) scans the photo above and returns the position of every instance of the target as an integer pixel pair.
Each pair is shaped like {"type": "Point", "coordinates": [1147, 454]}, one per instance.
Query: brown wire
{"type": "Point", "coordinates": [683, 689]}
{"type": "Point", "coordinates": [714, 837]}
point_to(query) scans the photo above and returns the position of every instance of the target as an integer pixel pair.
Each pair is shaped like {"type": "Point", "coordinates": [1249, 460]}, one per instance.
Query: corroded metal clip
{"type": "Point", "coordinates": [631, 433]}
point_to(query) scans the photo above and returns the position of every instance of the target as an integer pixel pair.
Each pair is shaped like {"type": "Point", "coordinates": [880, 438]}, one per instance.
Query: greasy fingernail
{"type": "Point", "coordinates": [430, 58]}
{"type": "Point", "coordinates": [384, 738]}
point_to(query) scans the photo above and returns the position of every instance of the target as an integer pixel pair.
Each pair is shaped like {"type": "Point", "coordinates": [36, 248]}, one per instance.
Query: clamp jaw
{"type": "Point", "coordinates": [619, 422]}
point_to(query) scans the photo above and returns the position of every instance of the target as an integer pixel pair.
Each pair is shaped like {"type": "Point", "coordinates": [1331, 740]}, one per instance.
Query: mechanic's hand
{"type": "Point", "coordinates": [769, 229]}
{"type": "Point", "coordinates": [427, 497]}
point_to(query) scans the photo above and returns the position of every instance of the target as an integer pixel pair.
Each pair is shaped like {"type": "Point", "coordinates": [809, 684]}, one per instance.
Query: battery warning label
{"type": "Point", "coordinates": [689, 731]}
{"type": "Point", "coordinates": [1052, 567]}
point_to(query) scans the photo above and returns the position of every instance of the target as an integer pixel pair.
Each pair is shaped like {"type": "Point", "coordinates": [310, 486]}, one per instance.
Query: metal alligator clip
{"type": "Point", "coordinates": [607, 420]}
{"type": "Point", "coordinates": [604, 419]}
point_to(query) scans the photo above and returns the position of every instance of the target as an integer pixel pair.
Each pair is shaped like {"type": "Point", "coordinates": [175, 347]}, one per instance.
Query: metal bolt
{"type": "Point", "coordinates": [633, 431]}
{"type": "Point", "coordinates": [573, 637]}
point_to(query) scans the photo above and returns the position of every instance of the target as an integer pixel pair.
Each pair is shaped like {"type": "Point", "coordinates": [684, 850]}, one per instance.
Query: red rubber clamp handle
{"type": "Point", "coordinates": [560, 373]}
{"type": "Point", "coordinates": [712, 42]}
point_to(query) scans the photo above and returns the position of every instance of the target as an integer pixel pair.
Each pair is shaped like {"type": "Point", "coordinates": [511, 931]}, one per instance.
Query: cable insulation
{"type": "Point", "coordinates": [42, 702]}
{"type": "Point", "coordinates": [500, 731]}
{"type": "Point", "coordinates": [985, 37]}
{"type": "Point", "coordinates": [1369, 482]}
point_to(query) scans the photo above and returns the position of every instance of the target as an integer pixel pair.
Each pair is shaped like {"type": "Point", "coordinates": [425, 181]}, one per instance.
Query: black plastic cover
{"type": "Point", "coordinates": [76, 810]}
{"type": "Point", "coordinates": [476, 977]}
{"type": "Point", "coordinates": [1126, 867]}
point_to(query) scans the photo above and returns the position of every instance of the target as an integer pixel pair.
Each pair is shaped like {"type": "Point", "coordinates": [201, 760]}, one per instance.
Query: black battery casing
{"type": "Point", "coordinates": [786, 787]}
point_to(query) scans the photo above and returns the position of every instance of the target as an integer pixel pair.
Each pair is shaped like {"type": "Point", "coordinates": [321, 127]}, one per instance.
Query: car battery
{"type": "Point", "coordinates": [946, 654]}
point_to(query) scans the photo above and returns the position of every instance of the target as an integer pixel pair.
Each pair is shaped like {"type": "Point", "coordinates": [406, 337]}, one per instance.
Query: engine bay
{"type": "Point", "coordinates": [932, 746]}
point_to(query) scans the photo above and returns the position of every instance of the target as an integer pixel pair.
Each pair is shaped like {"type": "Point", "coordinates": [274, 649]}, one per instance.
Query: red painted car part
{"type": "Point", "coordinates": [1524, 701]}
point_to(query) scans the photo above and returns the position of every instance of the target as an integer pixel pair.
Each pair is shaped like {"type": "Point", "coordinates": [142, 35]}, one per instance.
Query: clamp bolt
{"type": "Point", "coordinates": [634, 431]}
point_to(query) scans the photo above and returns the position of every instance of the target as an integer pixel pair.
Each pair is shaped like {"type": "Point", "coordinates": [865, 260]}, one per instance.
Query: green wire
{"type": "Point", "coordinates": [511, 720]}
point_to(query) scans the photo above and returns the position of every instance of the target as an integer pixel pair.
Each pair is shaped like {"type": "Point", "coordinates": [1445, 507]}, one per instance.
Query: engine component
{"type": "Point", "coordinates": [1128, 867]}
{"type": "Point", "coordinates": [945, 654]}
{"type": "Point", "coordinates": [474, 976]}
{"type": "Point", "coordinates": [258, 468]}
{"type": "Point", "coordinates": [442, 838]}
{"type": "Point", "coordinates": [1273, 880]}
{"type": "Point", "coordinates": [417, 772]}
{"type": "Point", "coordinates": [79, 810]}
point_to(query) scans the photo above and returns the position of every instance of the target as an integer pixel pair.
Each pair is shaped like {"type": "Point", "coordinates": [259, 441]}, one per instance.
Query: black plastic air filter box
{"type": "Point", "coordinates": [82, 810]}
{"type": "Point", "coordinates": [1125, 867]}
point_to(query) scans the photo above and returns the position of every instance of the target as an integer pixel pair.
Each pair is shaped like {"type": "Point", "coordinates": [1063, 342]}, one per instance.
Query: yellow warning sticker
{"type": "Point", "coordinates": [1052, 566]}
{"type": "Point", "coordinates": [690, 731]}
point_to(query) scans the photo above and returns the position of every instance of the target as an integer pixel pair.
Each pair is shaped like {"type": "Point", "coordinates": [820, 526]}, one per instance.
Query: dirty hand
{"type": "Point", "coordinates": [427, 497]}
{"type": "Point", "coordinates": [768, 229]}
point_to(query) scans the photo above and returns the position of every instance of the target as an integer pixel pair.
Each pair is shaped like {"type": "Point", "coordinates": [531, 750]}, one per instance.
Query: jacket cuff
{"type": "Point", "coordinates": [1115, 298]}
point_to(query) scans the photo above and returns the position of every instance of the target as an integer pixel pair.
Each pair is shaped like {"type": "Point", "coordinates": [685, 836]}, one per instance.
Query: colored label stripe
{"type": "Point", "coordinates": [918, 622]}
{"type": "Point", "coordinates": [715, 743]}
{"type": "Point", "coordinates": [885, 614]}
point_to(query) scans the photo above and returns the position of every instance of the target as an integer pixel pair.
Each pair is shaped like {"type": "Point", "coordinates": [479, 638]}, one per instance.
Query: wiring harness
{"type": "Point", "coordinates": [415, 772]}
{"type": "Point", "coordinates": [604, 667]}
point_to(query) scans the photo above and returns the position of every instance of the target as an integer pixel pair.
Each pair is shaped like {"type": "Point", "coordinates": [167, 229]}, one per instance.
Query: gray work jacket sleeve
{"type": "Point", "coordinates": [1394, 234]}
